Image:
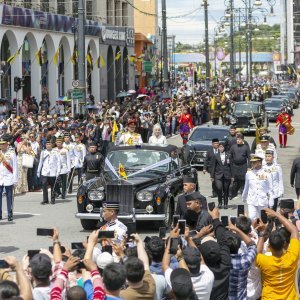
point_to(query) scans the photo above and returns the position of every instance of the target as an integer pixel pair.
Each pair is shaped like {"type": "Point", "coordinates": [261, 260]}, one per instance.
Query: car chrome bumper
{"type": "Point", "coordinates": [138, 217]}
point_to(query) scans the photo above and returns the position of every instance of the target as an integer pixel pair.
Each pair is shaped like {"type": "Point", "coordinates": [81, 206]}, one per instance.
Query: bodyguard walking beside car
{"type": "Point", "coordinates": [295, 176]}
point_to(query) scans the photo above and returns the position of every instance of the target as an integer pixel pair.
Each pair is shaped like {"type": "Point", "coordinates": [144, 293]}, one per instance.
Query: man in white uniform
{"type": "Point", "coordinates": [258, 190]}
{"type": "Point", "coordinates": [80, 153]}
{"type": "Point", "coordinates": [130, 138]}
{"type": "Point", "coordinates": [68, 145]}
{"type": "Point", "coordinates": [8, 176]}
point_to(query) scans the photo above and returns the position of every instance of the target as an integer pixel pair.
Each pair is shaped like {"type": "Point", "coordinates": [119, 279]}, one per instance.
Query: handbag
{"type": "Point", "coordinates": [27, 160]}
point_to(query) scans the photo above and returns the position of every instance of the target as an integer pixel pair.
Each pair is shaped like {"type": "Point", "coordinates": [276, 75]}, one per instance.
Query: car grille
{"type": "Point", "coordinates": [242, 121]}
{"type": "Point", "coordinates": [199, 157]}
{"type": "Point", "coordinates": [123, 194]}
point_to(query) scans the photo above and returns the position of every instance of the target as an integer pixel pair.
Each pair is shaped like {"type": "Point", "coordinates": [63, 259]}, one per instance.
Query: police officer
{"type": "Point", "coordinates": [276, 173]}
{"type": "Point", "coordinates": [80, 153]}
{"type": "Point", "coordinates": [130, 138]}
{"type": "Point", "coordinates": [64, 169]}
{"type": "Point", "coordinates": [8, 176]}
{"type": "Point", "coordinates": [92, 163]}
{"type": "Point", "coordinates": [258, 190]}
{"type": "Point", "coordinates": [49, 167]}
{"type": "Point", "coordinates": [110, 216]}
{"type": "Point", "coordinates": [68, 145]}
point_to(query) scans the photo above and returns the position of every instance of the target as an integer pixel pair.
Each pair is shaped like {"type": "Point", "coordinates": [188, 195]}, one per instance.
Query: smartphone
{"type": "Point", "coordinates": [106, 234]}
{"type": "Point", "coordinates": [32, 253]}
{"type": "Point", "coordinates": [233, 220]}
{"type": "Point", "coordinates": [44, 232]}
{"type": "Point", "coordinates": [264, 216]}
{"type": "Point", "coordinates": [107, 248]}
{"type": "Point", "coordinates": [131, 229]}
{"type": "Point", "coordinates": [211, 205]}
{"type": "Point", "coordinates": [174, 242]}
{"type": "Point", "coordinates": [62, 249]}
{"type": "Point", "coordinates": [77, 246]}
{"type": "Point", "coordinates": [162, 232]}
{"type": "Point", "coordinates": [240, 210]}
{"type": "Point", "coordinates": [3, 264]}
{"type": "Point", "coordinates": [175, 220]}
{"type": "Point", "coordinates": [181, 226]}
{"type": "Point", "coordinates": [224, 220]}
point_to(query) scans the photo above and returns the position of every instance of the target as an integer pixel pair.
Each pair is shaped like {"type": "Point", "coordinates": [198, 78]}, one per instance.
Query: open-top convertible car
{"type": "Point", "coordinates": [146, 193]}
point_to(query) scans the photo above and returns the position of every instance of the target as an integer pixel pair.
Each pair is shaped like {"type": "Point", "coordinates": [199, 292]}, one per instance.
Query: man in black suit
{"type": "Point", "coordinates": [194, 203]}
{"type": "Point", "coordinates": [189, 186]}
{"type": "Point", "coordinates": [221, 174]}
{"type": "Point", "coordinates": [295, 176]}
{"type": "Point", "coordinates": [208, 160]}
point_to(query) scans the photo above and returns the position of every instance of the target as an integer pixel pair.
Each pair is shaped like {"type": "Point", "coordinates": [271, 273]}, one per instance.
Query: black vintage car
{"type": "Point", "coordinates": [248, 115]}
{"type": "Point", "coordinates": [147, 194]}
{"type": "Point", "coordinates": [199, 142]}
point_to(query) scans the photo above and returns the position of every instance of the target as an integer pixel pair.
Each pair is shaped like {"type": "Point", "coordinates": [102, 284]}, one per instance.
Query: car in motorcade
{"type": "Point", "coordinates": [286, 102]}
{"type": "Point", "coordinates": [292, 97]}
{"type": "Point", "coordinates": [147, 190]}
{"type": "Point", "coordinates": [273, 108]}
{"type": "Point", "coordinates": [195, 151]}
{"type": "Point", "coordinates": [247, 116]}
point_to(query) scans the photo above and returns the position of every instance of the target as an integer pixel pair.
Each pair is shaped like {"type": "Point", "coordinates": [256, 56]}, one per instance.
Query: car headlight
{"type": "Point", "coordinates": [144, 196]}
{"type": "Point", "coordinates": [204, 154]}
{"type": "Point", "coordinates": [232, 120]}
{"type": "Point", "coordinates": [96, 195]}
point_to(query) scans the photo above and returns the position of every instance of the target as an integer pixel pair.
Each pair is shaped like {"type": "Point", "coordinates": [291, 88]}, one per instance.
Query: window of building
{"type": "Point", "coordinates": [75, 8]}
{"type": "Point", "coordinates": [8, 2]}
{"type": "Point", "coordinates": [124, 14]}
{"type": "Point", "coordinates": [89, 9]}
{"type": "Point", "coordinates": [45, 5]}
{"type": "Point", "coordinates": [27, 3]}
{"type": "Point", "coordinates": [109, 11]}
{"type": "Point", "coordinates": [61, 9]}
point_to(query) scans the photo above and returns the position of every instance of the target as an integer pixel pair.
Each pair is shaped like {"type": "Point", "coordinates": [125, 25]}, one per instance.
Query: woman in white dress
{"type": "Point", "coordinates": [157, 136]}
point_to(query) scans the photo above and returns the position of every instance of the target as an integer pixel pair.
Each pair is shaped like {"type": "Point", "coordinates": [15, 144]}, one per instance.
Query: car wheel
{"type": "Point", "coordinates": [168, 211]}
{"type": "Point", "coordinates": [88, 224]}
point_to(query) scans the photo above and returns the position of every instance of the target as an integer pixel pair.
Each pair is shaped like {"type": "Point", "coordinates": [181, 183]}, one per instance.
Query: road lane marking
{"type": "Point", "coordinates": [25, 213]}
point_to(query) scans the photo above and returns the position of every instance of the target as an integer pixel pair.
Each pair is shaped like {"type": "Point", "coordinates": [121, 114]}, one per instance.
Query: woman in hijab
{"type": "Point", "coordinates": [157, 136]}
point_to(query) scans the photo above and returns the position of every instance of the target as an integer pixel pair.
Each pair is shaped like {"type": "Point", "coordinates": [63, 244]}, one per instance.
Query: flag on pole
{"type": "Point", "coordinates": [122, 171]}
{"type": "Point", "coordinates": [199, 72]}
{"type": "Point", "coordinates": [74, 55]}
{"type": "Point", "coordinates": [12, 58]}
{"type": "Point", "coordinates": [56, 56]}
{"type": "Point", "coordinates": [38, 56]}
{"type": "Point", "coordinates": [115, 129]}
{"type": "Point", "coordinates": [89, 60]}
{"type": "Point", "coordinates": [101, 62]}
{"type": "Point", "coordinates": [118, 56]}
{"type": "Point", "coordinates": [131, 58]}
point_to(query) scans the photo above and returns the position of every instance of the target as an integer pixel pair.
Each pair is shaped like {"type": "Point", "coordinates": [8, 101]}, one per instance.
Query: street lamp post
{"type": "Point", "coordinates": [207, 64]}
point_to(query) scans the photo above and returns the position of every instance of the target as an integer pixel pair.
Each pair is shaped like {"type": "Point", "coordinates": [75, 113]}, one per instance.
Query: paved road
{"type": "Point", "coordinates": [17, 237]}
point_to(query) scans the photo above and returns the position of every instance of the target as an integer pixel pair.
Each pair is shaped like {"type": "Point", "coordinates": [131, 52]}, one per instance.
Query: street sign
{"type": "Point", "coordinates": [147, 66]}
{"type": "Point", "coordinates": [75, 83]}
{"type": "Point", "coordinates": [77, 94]}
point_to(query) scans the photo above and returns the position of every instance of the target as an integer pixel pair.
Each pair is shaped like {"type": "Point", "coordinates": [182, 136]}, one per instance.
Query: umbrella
{"type": "Point", "coordinates": [65, 99]}
{"type": "Point", "coordinates": [123, 94]}
{"type": "Point", "coordinates": [131, 92]}
{"type": "Point", "coordinates": [91, 107]}
{"type": "Point", "coordinates": [141, 96]}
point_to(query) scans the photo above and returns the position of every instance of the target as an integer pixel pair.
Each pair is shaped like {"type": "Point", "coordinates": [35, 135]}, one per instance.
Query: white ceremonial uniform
{"type": "Point", "coordinates": [258, 192]}
{"type": "Point", "coordinates": [6, 177]}
{"type": "Point", "coordinates": [276, 173]}
{"type": "Point", "coordinates": [118, 227]}
{"type": "Point", "coordinates": [49, 165]}
{"type": "Point", "coordinates": [65, 161]}
{"type": "Point", "coordinates": [259, 151]}
{"type": "Point", "coordinates": [130, 139]}
{"type": "Point", "coordinates": [80, 153]}
{"type": "Point", "coordinates": [70, 147]}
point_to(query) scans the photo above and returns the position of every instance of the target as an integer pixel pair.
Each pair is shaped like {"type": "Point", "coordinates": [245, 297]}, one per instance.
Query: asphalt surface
{"type": "Point", "coordinates": [20, 235]}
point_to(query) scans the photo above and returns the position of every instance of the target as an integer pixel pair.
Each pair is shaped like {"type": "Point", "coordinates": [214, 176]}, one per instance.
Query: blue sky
{"type": "Point", "coordinates": [190, 29]}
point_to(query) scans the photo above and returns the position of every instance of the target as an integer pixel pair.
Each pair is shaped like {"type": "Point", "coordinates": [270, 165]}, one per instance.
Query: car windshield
{"type": "Point", "coordinates": [246, 108]}
{"type": "Point", "coordinates": [135, 160]}
{"type": "Point", "coordinates": [273, 103]}
{"type": "Point", "coordinates": [207, 134]}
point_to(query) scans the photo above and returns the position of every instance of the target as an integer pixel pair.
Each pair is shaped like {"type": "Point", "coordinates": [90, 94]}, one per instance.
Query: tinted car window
{"type": "Point", "coordinates": [273, 104]}
{"type": "Point", "coordinates": [207, 134]}
{"type": "Point", "coordinates": [246, 108]}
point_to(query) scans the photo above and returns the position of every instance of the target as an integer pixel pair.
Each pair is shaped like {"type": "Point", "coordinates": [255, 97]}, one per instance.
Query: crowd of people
{"type": "Point", "coordinates": [205, 255]}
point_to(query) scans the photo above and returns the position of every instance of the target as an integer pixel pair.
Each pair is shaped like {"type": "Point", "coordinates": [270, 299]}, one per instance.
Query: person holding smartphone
{"type": "Point", "coordinates": [221, 175]}
{"type": "Point", "coordinates": [258, 190]}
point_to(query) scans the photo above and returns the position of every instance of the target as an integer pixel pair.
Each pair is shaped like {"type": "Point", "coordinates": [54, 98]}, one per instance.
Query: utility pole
{"type": "Point", "coordinates": [165, 46]}
{"type": "Point", "coordinates": [247, 41]}
{"type": "Point", "coordinates": [232, 54]}
{"type": "Point", "coordinates": [81, 49]}
{"type": "Point", "coordinates": [250, 44]}
{"type": "Point", "coordinates": [207, 64]}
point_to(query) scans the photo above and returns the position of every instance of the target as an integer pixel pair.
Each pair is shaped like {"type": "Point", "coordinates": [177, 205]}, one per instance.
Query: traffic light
{"type": "Point", "coordinates": [17, 84]}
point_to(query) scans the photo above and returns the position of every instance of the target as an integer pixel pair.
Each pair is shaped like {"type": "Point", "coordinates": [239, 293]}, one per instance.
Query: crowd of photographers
{"type": "Point", "coordinates": [233, 258]}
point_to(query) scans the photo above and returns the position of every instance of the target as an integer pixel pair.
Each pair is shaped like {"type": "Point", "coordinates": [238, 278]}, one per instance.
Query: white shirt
{"type": "Point", "coordinates": [49, 164]}
{"type": "Point", "coordinates": [202, 284]}
{"type": "Point", "coordinates": [276, 173]}
{"type": "Point", "coordinates": [223, 157]}
{"type": "Point", "coordinates": [35, 147]}
{"type": "Point", "coordinates": [154, 140]}
{"type": "Point", "coordinates": [65, 161]}
{"type": "Point", "coordinates": [6, 177]}
{"type": "Point", "coordinates": [70, 147]}
{"type": "Point", "coordinates": [80, 153]}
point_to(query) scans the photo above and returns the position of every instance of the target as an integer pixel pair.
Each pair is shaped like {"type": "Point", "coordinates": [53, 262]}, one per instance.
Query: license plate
{"type": "Point", "coordinates": [200, 159]}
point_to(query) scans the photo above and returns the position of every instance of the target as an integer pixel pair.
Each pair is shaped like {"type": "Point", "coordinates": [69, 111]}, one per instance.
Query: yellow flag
{"type": "Point", "coordinates": [199, 72]}
{"type": "Point", "coordinates": [101, 62]}
{"type": "Point", "coordinates": [56, 56]}
{"type": "Point", "coordinates": [12, 58]}
{"type": "Point", "coordinates": [265, 89]}
{"type": "Point", "coordinates": [118, 55]}
{"type": "Point", "coordinates": [213, 103]}
{"type": "Point", "coordinates": [114, 131]}
{"type": "Point", "coordinates": [38, 56]}
{"type": "Point", "coordinates": [89, 59]}
{"type": "Point", "coordinates": [131, 58]}
{"type": "Point", "coordinates": [122, 171]}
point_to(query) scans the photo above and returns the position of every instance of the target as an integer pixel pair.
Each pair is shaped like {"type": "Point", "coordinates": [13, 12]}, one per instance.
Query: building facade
{"type": "Point", "coordinates": [42, 37]}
